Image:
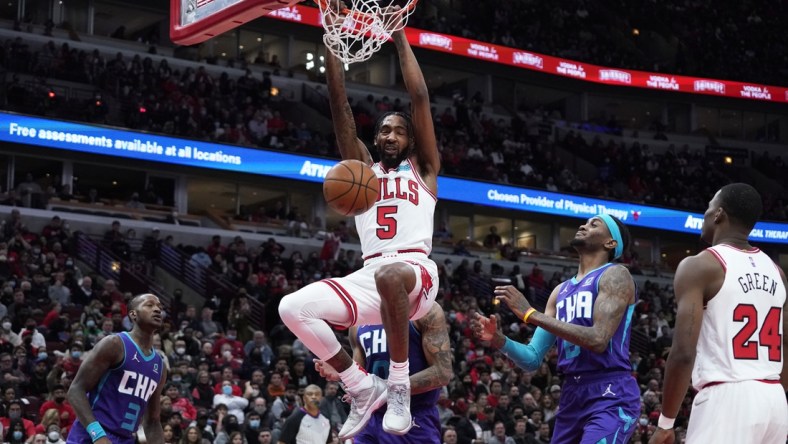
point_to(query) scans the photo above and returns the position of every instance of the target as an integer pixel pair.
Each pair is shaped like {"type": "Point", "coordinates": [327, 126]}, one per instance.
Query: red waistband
{"type": "Point", "coordinates": [765, 381]}
{"type": "Point", "coordinates": [412, 250]}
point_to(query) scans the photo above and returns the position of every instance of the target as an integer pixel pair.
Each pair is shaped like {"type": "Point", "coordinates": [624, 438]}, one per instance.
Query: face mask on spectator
{"type": "Point", "coordinates": [176, 378]}
{"type": "Point", "coordinates": [18, 435]}
{"type": "Point", "coordinates": [180, 350]}
{"type": "Point", "coordinates": [228, 354]}
{"type": "Point", "coordinates": [54, 436]}
{"type": "Point", "coordinates": [76, 354]}
{"type": "Point", "coordinates": [90, 323]}
{"type": "Point", "coordinates": [227, 390]}
{"type": "Point", "coordinates": [6, 326]}
{"type": "Point", "coordinates": [643, 421]}
{"type": "Point", "coordinates": [14, 415]}
{"type": "Point", "coordinates": [42, 355]}
{"type": "Point", "coordinates": [60, 399]}
{"type": "Point", "coordinates": [254, 424]}
{"type": "Point", "coordinates": [231, 337]}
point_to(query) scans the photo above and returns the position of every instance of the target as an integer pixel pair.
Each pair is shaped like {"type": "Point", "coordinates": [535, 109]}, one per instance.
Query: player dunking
{"type": "Point", "coordinates": [730, 333]}
{"type": "Point", "coordinates": [398, 281]}
{"type": "Point", "coordinates": [591, 315]}
{"type": "Point", "coordinates": [119, 384]}
{"type": "Point", "coordinates": [429, 354]}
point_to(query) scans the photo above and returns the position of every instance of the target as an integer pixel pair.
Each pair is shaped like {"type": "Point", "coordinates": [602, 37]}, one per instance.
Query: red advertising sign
{"type": "Point", "coordinates": [563, 67]}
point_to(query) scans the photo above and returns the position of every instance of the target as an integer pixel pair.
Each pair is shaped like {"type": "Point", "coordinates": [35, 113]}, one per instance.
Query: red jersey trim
{"type": "Point", "coordinates": [719, 259]}
{"type": "Point", "coordinates": [421, 181]}
{"type": "Point", "coordinates": [751, 250]}
{"type": "Point", "coordinates": [346, 299]}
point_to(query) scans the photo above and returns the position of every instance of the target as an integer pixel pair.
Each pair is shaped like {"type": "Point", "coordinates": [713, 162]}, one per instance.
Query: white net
{"type": "Point", "coordinates": [356, 29]}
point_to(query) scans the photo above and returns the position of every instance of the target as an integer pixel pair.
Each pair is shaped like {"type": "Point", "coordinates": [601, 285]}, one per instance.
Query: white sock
{"type": "Point", "coordinates": [354, 379]}
{"type": "Point", "coordinates": [399, 372]}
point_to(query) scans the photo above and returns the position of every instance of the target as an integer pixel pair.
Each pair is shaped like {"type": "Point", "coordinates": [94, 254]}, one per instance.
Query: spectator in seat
{"type": "Point", "coordinates": [230, 337]}
{"type": "Point", "coordinates": [276, 387]}
{"type": "Point", "coordinates": [52, 315]}
{"type": "Point", "coordinates": [259, 342]}
{"type": "Point", "coordinates": [13, 422]}
{"type": "Point", "coordinates": [8, 339]}
{"type": "Point", "coordinates": [253, 388]}
{"type": "Point", "coordinates": [48, 417]}
{"type": "Point", "coordinates": [151, 245]}
{"type": "Point", "coordinates": [202, 391]}
{"type": "Point", "coordinates": [206, 325]}
{"type": "Point", "coordinates": [227, 358]}
{"type": "Point", "coordinates": [235, 404]}
{"type": "Point", "coordinates": [331, 405]}
{"type": "Point", "coordinates": [55, 231]}
{"type": "Point", "coordinates": [83, 294]}
{"type": "Point", "coordinates": [493, 239]}
{"type": "Point", "coordinates": [180, 403]}
{"type": "Point", "coordinates": [284, 405]}
{"type": "Point", "coordinates": [58, 402]}
{"type": "Point", "coordinates": [9, 375]}
{"type": "Point", "coordinates": [201, 258]}
{"type": "Point", "coordinates": [37, 339]}
{"type": "Point", "coordinates": [38, 377]}
{"type": "Point", "coordinates": [59, 292]}
{"type": "Point", "coordinates": [111, 294]}
{"type": "Point", "coordinates": [215, 247]}
{"type": "Point", "coordinates": [179, 352]}
{"type": "Point", "coordinates": [73, 360]}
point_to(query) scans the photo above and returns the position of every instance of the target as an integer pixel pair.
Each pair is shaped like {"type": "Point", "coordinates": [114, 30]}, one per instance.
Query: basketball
{"type": "Point", "coordinates": [350, 187]}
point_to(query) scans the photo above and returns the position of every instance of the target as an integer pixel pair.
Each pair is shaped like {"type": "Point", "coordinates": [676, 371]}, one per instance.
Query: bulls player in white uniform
{"type": "Point", "coordinates": [730, 333]}
{"type": "Point", "coordinates": [398, 282]}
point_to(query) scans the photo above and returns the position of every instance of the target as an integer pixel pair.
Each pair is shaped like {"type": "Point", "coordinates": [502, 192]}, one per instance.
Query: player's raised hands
{"type": "Point", "coordinates": [392, 17]}
{"type": "Point", "coordinates": [338, 13]}
{"type": "Point", "coordinates": [487, 329]}
{"type": "Point", "coordinates": [328, 372]}
{"type": "Point", "coordinates": [513, 299]}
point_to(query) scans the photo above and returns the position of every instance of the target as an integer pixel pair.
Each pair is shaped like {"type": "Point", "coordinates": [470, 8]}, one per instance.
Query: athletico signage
{"type": "Point", "coordinates": [563, 67]}
{"type": "Point", "coordinates": [133, 145]}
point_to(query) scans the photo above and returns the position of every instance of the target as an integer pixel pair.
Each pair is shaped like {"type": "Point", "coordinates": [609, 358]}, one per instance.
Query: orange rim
{"type": "Point", "coordinates": [364, 16]}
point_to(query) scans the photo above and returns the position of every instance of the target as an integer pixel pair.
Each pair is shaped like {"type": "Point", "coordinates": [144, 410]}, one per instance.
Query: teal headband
{"type": "Point", "coordinates": [612, 226]}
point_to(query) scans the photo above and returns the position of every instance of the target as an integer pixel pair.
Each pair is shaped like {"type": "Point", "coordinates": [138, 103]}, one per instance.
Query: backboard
{"type": "Point", "coordinates": [195, 21]}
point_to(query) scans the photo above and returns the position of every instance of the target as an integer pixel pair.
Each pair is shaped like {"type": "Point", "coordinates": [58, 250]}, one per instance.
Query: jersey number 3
{"type": "Point", "coordinates": [768, 333]}
{"type": "Point", "coordinates": [388, 225]}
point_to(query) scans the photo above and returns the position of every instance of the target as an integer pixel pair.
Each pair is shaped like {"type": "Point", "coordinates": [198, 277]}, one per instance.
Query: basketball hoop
{"type": "Point", "coordinates": [356, 32]}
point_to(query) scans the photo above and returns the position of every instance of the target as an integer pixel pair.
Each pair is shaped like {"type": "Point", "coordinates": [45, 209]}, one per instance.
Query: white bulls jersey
{"type": "Point", "coordinates": [402, 217]}
{"type": "Point", "coordinates": [741, 335]}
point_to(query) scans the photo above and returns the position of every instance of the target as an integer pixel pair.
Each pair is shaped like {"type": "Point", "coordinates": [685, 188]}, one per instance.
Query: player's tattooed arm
{"type": "Point", "coordinates": [616, 292]}
{"type": "Point", "coordinates": [437, 349]}
{"type": "Point", "coordinates": [350, 146]}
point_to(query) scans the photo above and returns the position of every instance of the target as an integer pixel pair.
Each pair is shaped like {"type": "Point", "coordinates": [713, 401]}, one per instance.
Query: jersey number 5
{"type": "Point", "coordinates": [768, 336]}
{"type": "Point", "coordinates": [388, 225]}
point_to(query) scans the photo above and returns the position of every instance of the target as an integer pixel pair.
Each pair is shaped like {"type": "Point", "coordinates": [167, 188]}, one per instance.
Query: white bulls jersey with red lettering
{"type": "Point", "coordinates": [402, 217]}
{"type": "Point", "coordinates": [741, 335]}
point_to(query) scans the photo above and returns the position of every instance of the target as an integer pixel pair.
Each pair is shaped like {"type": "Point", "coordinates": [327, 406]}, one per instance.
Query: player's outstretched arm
{"type": "Point", "coordinates": [106, 354]}
{"type": "Point", "coordinates": [437, 350]}
{"type": "Point", "coordinates": [616, 292]}
{"type": "Point", "coordinates": [350, 146]}
{"type": "Point", "coordinates": [429, 160]}
{"type": "Point", "coordinates": [151, 422]}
